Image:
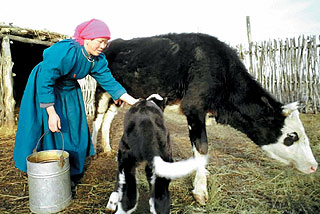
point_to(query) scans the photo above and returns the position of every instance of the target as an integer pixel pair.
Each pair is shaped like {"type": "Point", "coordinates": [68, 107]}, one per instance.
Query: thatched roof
{"type": "Point", "coordinates": [29, 35]}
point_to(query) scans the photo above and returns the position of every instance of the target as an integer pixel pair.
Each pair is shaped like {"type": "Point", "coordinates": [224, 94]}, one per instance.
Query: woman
{"type": "Point", "coordinates": [53, 99]}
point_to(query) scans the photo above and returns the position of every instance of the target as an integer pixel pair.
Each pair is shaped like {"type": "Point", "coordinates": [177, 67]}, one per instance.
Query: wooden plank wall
{"type": "Point", "coordinates": [289, 69]}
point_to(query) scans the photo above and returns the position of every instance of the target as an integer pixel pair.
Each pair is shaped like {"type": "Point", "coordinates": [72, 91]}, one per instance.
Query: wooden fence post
{"type": "Point", "coordinates": [250, 44]}
{"type": "Point", "coordinates": [7, 102]}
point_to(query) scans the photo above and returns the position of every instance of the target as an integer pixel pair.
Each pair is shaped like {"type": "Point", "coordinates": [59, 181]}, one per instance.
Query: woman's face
{"type": "Point", "coordinates": [95, 46]}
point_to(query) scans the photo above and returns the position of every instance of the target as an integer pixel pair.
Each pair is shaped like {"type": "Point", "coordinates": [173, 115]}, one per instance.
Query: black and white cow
{"type": "Point", "coordinates": [204, 75]}
{"type": "Point", "coordinates": [146, 138]}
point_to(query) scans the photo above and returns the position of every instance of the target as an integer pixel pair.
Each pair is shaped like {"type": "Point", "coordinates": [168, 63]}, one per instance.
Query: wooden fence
{"type": "Point", "coordinates": [88, 87]}
{"type": "Point", "coordinates": [289, 69]}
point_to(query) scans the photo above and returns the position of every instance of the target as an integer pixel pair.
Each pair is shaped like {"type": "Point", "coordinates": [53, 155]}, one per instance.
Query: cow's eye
{"type": "Point", "coordinates": [291, 138]}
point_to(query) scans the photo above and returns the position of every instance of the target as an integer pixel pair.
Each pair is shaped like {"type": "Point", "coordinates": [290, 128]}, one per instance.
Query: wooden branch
{"type": "Point", "coordinates": [26, 40]}
{"type": "Point", "coordinates": [250, 43]}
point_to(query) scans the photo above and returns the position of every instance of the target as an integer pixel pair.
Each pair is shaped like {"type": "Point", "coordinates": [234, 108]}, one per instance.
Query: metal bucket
{"type": "Point", "coordinates": [49, 180]}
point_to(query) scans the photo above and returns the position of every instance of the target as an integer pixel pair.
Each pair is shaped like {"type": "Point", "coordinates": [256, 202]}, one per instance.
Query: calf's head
{"type": "Point", "coordinates": [293, 146]}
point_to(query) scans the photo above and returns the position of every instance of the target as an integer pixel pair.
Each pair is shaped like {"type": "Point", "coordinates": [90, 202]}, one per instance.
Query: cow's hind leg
{"type": "Point", "coordinates": [160, 196]}
{"type": "Point", "coordinates": [95, 129]}
{"type": "Point", "coordinates": [102, 106]}
{"type": "Point", "coordinates": [106, 125]}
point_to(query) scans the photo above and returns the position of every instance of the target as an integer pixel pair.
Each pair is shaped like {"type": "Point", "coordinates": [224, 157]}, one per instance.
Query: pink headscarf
{"type": "Point", "coordinates": [91, 30]}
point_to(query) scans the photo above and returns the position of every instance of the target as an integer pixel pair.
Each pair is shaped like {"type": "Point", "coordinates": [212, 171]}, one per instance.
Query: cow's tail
{"type": "Point", "coordinates": [178, 169]}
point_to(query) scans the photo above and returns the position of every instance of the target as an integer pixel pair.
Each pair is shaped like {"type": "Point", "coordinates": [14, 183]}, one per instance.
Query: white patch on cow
{"type": "Point", "coordinates": [152, 206]}
{"type": "Point", "coordinates": [104, 117]}
{"type": "Point", "coordinates": [102, 108]}
{"type": "Point", "coordinates": [176, 108]}
{"type": "Point", "coordinates": [200, 191]}
{"type": "Point", "coordinates": [105, 135]}
{"type": "Point", "coordinates": [95, 129]}
{"type": "Point", "coordinates": [210, 120]}
{"type": "Point", "coordinates": [157, 96]}
{"type": "Point", "coordinates": [299, 153]}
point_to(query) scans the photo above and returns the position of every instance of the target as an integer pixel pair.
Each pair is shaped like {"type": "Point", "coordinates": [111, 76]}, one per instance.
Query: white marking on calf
{"type": "Point", "coordinates": [157, 96]}
{"type": "Point", "coordinates": [116, 197]}
{"type": "Point", "coordinates": [113, 201]}
{"type": "Point", "coordinates": [152, 206]}
{"type": "Point", "coordinates": [200, 181]}
{"type": "Point", "coordinates": [299, 153]}
{"type": "Point", "coordinates": [151, 200]}
{"type": "Point", "coordinates": [178, 169]}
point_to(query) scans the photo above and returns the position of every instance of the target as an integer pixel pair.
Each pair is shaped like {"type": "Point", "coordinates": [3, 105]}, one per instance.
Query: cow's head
{"type": "Point", "coordinates": [293, 145]}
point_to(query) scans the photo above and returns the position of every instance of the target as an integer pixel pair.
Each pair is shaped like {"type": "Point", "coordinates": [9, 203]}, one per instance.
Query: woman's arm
{"type": "Point", "coordinates": [128, 99]}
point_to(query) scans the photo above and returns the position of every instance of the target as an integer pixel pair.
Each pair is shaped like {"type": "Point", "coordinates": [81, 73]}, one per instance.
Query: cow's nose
{"type": "Point", "coordinates": [313, 169]}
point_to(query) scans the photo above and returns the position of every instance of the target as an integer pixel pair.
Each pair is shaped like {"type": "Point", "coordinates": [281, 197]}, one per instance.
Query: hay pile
{"type": "Point", "coordinates": [242, 179]}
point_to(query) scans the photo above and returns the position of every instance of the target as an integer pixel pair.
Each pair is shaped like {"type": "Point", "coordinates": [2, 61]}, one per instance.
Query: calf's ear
{"type": "Point", "coordinates": [164, 103]}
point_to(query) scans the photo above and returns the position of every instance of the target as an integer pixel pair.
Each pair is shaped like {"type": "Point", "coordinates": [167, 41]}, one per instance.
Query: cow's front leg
{"type": "Point", "coordinates": [199, 142]}
{"type": "Point", "coordinates": [200, 192]}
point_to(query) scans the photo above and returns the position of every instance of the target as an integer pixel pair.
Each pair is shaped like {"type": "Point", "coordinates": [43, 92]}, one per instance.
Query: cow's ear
{"type": "Point", "coordinates": [289, 108]}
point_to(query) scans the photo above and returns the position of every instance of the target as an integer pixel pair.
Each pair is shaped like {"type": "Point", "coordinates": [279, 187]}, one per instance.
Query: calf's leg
{"type": "Point", "coordinates": [160, 196]}
{"type": "Point", "coordinates": [125, 194]}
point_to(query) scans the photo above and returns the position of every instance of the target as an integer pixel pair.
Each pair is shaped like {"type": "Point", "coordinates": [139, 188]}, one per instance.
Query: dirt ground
{"type": "Point", "coordinates": [233, 157]}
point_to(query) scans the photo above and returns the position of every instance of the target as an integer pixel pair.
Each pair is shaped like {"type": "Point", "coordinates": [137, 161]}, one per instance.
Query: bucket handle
{"type": "Point", "coordinates": [61, 161]}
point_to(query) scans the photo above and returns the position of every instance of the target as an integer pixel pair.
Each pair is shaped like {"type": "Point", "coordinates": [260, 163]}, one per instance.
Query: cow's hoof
{"type": "Point", "coordinates": [200, 198]}
{"type": "Point", "coordinates": [106, 149]}
{"type": "Point", "coordinates": [113, 201]}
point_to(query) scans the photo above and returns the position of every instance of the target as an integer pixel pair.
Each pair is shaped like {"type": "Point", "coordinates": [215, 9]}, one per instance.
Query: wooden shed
{"type": "Point", "coordinates": [20, 50]}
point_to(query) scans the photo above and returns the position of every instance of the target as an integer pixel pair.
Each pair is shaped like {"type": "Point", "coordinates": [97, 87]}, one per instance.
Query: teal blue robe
{"type": "Point", "coordinates": [54, 80]}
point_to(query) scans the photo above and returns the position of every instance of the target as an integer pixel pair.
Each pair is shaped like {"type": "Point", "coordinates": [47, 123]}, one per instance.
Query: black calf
{"type": "Point", "coordinates": [146, 138]}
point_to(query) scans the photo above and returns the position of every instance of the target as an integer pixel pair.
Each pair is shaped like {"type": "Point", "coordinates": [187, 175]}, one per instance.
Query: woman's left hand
{"type": "Point", "coordinates": [53, 120]}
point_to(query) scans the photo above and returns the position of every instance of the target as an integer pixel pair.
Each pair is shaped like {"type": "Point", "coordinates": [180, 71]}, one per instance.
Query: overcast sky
{"type": "Point", "coordinates": [270, 19]}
